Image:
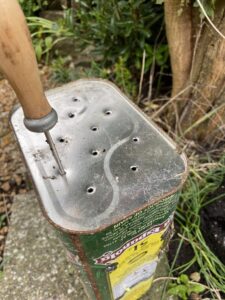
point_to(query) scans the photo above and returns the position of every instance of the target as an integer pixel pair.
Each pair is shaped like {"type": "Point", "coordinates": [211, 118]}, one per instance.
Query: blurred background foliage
{"type": "Point", "coordinates": [31, 7]}
{"type": "Point", "coordinates": [120, 40]}
{"type": "Point", "coordinates": [116, 40]}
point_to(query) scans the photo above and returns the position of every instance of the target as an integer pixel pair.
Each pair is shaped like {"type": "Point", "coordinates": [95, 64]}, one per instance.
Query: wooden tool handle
{"type": "Point", "coordinates": [18, 61]}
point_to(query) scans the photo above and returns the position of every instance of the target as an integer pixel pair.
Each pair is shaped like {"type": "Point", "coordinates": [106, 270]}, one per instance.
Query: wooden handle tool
{"type": "Point", "coordinates": [18, 63]}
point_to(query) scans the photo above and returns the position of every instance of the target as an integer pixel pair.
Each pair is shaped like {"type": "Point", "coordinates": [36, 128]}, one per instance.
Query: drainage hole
{"type": "Point", "coordinates": [134, 168]}
{"type": "Point", "coordinates": [91, 190]}
{"type": "Point", "coordinates": [94, 128]}
{"type": "Point", "coordinates": [61, 140]}
{"type": "Point", "coordinates": [136, 139]}
{"type": "Point", "coordinates": [75, 99]}
{"type": "Point", "coordinates": [71, 115]}
{"type": "Point", "coordinates": [95, 152]}
{"type": "Point", "coordinates": [108, 112]}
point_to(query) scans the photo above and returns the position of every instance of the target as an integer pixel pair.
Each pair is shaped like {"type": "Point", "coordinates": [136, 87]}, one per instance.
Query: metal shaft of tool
{"type": "Point", "coordinates": [54, 152]}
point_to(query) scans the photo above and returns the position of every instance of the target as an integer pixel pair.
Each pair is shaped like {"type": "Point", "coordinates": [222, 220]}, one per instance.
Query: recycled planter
{"type": "Point", "coordinates": [114, 208]}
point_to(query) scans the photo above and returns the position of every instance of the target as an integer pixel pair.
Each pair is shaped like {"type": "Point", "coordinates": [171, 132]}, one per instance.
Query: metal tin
{"type": "Point", "coordinates": [114, 207]}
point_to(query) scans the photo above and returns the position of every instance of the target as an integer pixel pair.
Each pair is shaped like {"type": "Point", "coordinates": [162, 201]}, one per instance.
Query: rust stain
{"type": "Point", "coordinates": [83, 258]}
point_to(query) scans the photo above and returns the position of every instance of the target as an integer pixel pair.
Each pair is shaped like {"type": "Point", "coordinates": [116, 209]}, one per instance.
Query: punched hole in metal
{"type": "Point", "coordinates": [75, 99]}
{"type": "Point", "coordinates": [91, 190]}
{"type": "Point", "coordinates": [134, 168]}
{"type": "Point", "coordinates": [136, 139]}
{"type": "Point", "coordinates": [94, 152]}
{"type": "Point", "coordinates": [61, 140]}
{"type": "Point", "coordinates": [94, 128]}
{"type": "Point", "coordinates": [71, 115]}
{"type": "Point", "coordinates": [108, 112]}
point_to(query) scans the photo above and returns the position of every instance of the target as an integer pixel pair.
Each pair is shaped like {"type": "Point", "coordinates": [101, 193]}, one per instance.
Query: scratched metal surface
{"type": "Point", "coordinates": [116, 160]}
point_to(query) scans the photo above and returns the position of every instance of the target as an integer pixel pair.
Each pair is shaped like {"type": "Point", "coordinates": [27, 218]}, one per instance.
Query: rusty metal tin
{"type": "Point", "coordinates": [123, 176]}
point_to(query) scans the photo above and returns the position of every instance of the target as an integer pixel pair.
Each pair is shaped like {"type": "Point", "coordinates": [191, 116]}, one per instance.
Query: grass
{"type": "Point", "coordinates": [196, 195]}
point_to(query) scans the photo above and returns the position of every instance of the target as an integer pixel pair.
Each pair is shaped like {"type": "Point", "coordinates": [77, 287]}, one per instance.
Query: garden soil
{"type": "Point", "coordinates": [213, 224]}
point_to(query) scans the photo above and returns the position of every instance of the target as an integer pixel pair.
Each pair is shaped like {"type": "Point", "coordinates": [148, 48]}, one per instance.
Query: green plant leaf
{"type": "Point", "coordinates": [48, 42]}
{"type": "Point", "coordinates": [184, 279]}
{"type": "Point", "coordinates": [3, 218]}
{"type": "Point", "coordinates": [38, 51]}
{"type": "Point", "coordinates": [196, 288]}
{"type": "Point", "coordinates": [179, 290]}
